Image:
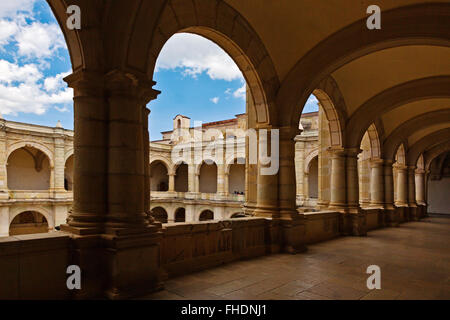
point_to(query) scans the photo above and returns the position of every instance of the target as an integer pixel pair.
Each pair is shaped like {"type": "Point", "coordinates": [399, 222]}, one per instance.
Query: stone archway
{"type": "Point", "coordinates": [160, 214]}
{"type": "Point", "coordinates": [313, 178]}
{"type": "Point", "coordinates": [68, 174]}
{"type": "Point", "coordinates": [206, 215]}
{"type": "Point", "coordinates": [28, 168]}
{"type": "Point", "coordinates": [207, 177]}
{"type": "Point", "coordinates": [159, 178]}
{"type": "Point", "coordinates": [28, 222]}
{"type": "Point", "coordinates": [182, 178]}
{"type": "Point", "coordinates": [180, 215]}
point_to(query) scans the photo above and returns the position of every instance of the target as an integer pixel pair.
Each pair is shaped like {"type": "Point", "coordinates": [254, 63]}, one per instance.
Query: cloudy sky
{"type": "Point", "coordinates": [196, 77]}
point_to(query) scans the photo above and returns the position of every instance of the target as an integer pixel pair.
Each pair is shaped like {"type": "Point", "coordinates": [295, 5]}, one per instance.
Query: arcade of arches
{"type": "Point", "coordinates": [377, 150]}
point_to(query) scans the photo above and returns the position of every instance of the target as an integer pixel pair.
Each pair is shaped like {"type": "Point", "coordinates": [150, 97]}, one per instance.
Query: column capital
{"type": "Point", "coordinates": [289, 132]}
{"type": "Point", "coordinates": [352, 152]}
{"type": "Point", "coordinates": [401, 167]}
{"type": "Point", "coordinates": [374, 163]}
{"type": "Point", "coordinates": [123, 83]}
{"type": "Point", "coordinates": [336, 152]}
{"type": "Point", "coordinates": [420, 171]}
{"type": "Point", "coordinates": [85, 83]}
{"type": "Point", "coordinates": [411, 169]}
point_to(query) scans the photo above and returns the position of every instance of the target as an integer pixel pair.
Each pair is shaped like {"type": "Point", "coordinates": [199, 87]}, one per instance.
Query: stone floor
{"type": "Point", "coordinates": [414, 261]}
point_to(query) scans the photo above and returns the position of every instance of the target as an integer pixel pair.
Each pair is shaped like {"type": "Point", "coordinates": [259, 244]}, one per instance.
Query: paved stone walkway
{"type": "Point", "coordinates": [414, 261]}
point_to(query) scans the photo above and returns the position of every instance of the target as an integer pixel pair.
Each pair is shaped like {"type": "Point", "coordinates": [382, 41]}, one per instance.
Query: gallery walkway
{"type": "Point", "coordinates": [414, 261]}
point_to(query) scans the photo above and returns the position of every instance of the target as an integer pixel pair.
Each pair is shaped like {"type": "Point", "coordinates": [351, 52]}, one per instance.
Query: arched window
{"type": "Point", "coordinates": [206, 215]}
{"type": "Point", "coordinates": [236, 179]}
{"type": "Point", "coordinates": [159, 214]}
{"type": "Point", "coordinates": [208, 178]}
{"type": "Point", "coordinates": [313, 179]}
{"type": "Point", "coordinates": [159, 179]}
{"type": "Point", "coordinates": [28, 169]}
{"type": "Point", "coordinates": [180, 215]}
{"type": "Point", "coordinates": [181, 178]}
{"type": "Point", "coordinates": [68, 174]}
{"type": "Point", "coordinates": [28, 222]}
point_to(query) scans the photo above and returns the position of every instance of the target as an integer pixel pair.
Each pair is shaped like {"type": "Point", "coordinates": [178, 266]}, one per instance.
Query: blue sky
{"type": "Point", "coordinates": [195, 76]}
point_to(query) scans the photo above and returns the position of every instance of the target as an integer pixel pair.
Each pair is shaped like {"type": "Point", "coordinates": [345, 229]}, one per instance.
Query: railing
{"type": "Point", "coordinates": [162, 195]}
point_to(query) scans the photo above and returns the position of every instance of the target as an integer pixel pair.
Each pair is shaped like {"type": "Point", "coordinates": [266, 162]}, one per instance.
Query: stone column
{"type": "Point", "coordinates": [126, 151]}
{"type": "Point", "coordinates": [3, 161]}
{"type": "Point", "coordinates": [226, 184]}
{"type": "Point", "coordinates": [402, 186]}
{"type": "Point", "coordinates": [291, 221]}
{"type": "Point", "coordinates": [356, 218]}
{"type": "Point", "coordinates": [267, 184]}
{"type": "Point", "coordinates": [302, 191]}
{"type": "Point", "coordinates": [146, 135]}
{"type": "Point", "coordinates": [4, 221]}
{"type": "Point", "coordinates": [89, 209]}
{"type": "Point", "coordinates": [377, 183]}
{"type": "Point", "coordinates": [109, 210]}
{"type": "Point", "coordinates": [412, 193]}
{"type": "Point", "coordinates": [221, 191]}
{"type": "Point", "coordinates": [306, 187]}
{"type": "Point", "coordinates": [171, 182]}
{"type": "Point", "coordinates": [391, 214]}
{"type": "Point", "coordinates": [420, 186]}
{"type": "Point", "coordinates": [59, 164]}
{"type": "Point", "coordinates": [338, 179]}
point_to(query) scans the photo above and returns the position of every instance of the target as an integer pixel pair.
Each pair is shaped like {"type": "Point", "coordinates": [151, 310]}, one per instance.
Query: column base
{"type": "Point", "coordinates": [353, 222]}
{"type": "Point", "coordinates": [119, 264]}
{"type": "Point", "coordinates": [294, 235]}
{"type": "Point", "coordinates": [413, 212]}
{"type": "Point", "coordinates": [391, 217]}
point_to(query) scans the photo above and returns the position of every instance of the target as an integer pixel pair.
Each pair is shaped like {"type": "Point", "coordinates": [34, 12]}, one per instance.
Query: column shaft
{"type": "Point", "coordinates": [420, 186]}
{"type": "Point", "coordinates": [377, 183]}
{"type": "Point", "coordinates": [171, 182]}
{"type": "Point", "coordinates": [402, 186]}
{"type": "Point", "coordinates": [352, 178]}
{"type": "Point", "coordinates": [338, 183]}
{"type": "Point", "coordinates": [90, 152]}
{"type": "Point", "coordinates": [411, 186]}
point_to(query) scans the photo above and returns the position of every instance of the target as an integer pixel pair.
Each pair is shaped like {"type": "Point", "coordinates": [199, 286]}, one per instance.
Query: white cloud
{"type": "Point", "coordinates": [10, 8]}
{"type": "Point", "coordinates": [23, 89]}
{"type": "Point", "coordinates": [195, 54]}
{"type": "Point", "coordinates": [62, 109]}
{"type": "Point", "coordinates": [7, 30]}
{"type": "Point", "coordinates": [240, 93]}
{"type": "Point", "coordinates": [214, 100]}
{"type": "Point", "coordinates": [39, 40]}
{"type": "Point", "coordinates": [23, 84]}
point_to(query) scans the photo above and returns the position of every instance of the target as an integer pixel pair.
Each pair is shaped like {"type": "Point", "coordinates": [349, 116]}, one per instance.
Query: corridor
{"type": "Point", "coordinates": [414, 261]}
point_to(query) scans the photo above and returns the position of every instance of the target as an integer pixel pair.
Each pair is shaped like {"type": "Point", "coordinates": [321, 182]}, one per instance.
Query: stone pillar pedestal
{"type": "Point", "coordinates": [356, 217]}
{"type": "Point", "coordinates": [276, 192]}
